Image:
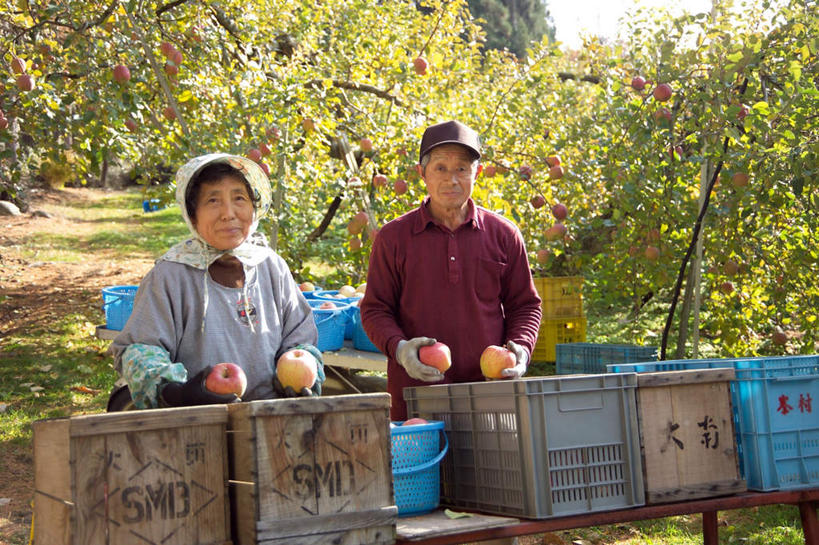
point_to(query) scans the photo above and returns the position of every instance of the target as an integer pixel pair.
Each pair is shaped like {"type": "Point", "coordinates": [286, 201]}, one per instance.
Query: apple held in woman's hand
{"type": "Point", "coordinates": [297, 368]}
{"type": "Point", "coordinates": [226, 378]}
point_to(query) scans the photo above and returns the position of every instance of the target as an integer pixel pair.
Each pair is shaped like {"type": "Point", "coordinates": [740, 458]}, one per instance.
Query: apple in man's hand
{"type": "Point", "coordinates": [226, 378]}
{"type": "Point", "coordinates": [297, 368]}
{"type": "Point", "coordinates": [436, 355]}
{"type": "Point", "coordinates": [495, 359]}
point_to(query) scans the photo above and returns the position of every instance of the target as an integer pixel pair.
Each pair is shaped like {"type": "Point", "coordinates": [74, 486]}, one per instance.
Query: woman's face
{"type": "Point", "coordinates": [224, 213]}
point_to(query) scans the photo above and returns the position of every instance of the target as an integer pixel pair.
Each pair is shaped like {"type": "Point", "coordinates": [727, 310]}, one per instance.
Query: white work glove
{"type": "Point", "coordinates": [407, 355]}
{"type": "Point", "coordinates": [521, 358]}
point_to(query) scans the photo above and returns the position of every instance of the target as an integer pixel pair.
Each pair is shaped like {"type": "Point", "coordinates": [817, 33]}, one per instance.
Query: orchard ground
{"type": "Point", "coordinates": [51, 272]}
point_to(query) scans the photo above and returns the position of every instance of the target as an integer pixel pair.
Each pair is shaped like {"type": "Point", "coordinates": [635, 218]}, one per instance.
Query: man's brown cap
{"type": "Point", "coordinates": [450, 132]}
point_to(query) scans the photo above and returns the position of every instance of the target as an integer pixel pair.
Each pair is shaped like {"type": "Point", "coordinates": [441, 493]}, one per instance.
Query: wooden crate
{"type": "Point", "coordinates": [149, 477]}
{"type": "Point", "coordinates": [687, 435]}
{"type": "Point", "coordinates": [312, 470]}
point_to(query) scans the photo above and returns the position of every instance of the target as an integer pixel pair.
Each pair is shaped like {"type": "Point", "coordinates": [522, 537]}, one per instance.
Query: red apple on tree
{"type": "Point", "coordinates": [131, 125]}
{"type": "Point", "coordinates": [743, 111]}
{"type": "Point", "coordinates": [437, 355]}
{"type": "Point", "coordinates": [297, 369]}
{"type": "Point", "coordinates": [555, 232]}
{"type": "Point", "coordinates": [494, 359]}
{"type": "Point", "coordinates": [399, 186]}
{"type": "Point", "coordinates": [4, 123]}
{"type": "Point", "coordinates": [226, 378]}
{"type": "Point", "coordinates": [265, 168]}
{"type": "Point", "coordinates": [265, 149]}
{"type": "Point", "coordinates": [254, 155]}
{"type": "Point", "coordinates": [537, 201]}
{"type": "Point", "coordinates": [543, 255]}
{"type": "Point", "coordinates": [175, 57]}
{"type": "Point", "coordinates": [366, 145]}
{"type": "Point", "coordinates": [379, 180]}
{"type": "Point", "coordinates": [652, 253]}
{"type": "Point", "coordinates": [308, 124]}
{"type": "Point", "coordinates": [663, 115]}
{"type": "Point", "coordinates": [121, 74]}
{"type": "Point", "coordinates": [662, 92]}
{"type": "Point", "coordinates": [556, 172]}
{"type": "Point", "coordinates": [727, 287]}
{"type": "Point", "coordinates": [273, 133]}
{"type": "Point", "coordinates": [169, 113]}
{"type": "Point", "coordinates": [171, 69]}
{"type": "Point", "coordinates": [420, 65]}
{"type": "Point", "coordinates": [355, 244]}
{"type": "Point", "coordinates": [489, 171]}
{"type": "Point", "coordinates": [638, 83]}
{"type": "Point", "coordinates": [25, 82]}
{"type": "Point", "coordinates": [18, 65]}
{"type": "Point", "coordinates": [559, 211]}
{"type": "Point", "coordinates": [779, 336]}
{"type": "Point", "coordinates": [525, 171]}
{"type": "Point", "coordinates": [740, 179]}
{"type": "Point", "coordinates": [553, 160]}
{"type": "Point", "coordinates": [730, 267]}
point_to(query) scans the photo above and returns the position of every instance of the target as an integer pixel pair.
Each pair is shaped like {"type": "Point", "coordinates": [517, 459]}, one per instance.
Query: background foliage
{"type": "Point", "coordinates": [311, 80]}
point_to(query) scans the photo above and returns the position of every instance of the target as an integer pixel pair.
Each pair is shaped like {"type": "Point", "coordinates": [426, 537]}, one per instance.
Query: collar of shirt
{"type": "Point", "coordinates": [425, 217]}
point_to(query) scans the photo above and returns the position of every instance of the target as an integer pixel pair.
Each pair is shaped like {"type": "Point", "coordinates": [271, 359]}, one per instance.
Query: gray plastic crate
{"type": "Point", "coordinates": [537, 447]}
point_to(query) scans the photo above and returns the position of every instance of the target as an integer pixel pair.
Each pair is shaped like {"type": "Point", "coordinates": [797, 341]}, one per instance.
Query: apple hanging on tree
{"type": "Point", "coordinates": [638, 83]}
{"type": "Point", "coordinates": [556, 172]}
{"type": "Point", "coordinates": [555, 232]}
{"type": "Point", "coordinates": [121, 74]}
{"type": "Point", "coordinates": [379, 180]}
{"type": "Point", "coordinates": [18, 65]}
{"type": "Point", "coordinates": [399, 186]}
{"type": "Point", "coordinates": [366, 145]}
{"type": "Point", "coordinates": [542, 256]}
{"type": "Point", "coordinates": [489, 171]}
{"type": "Point", "coordinates": [559, 211]}
{"type": "Point", "coordinates": [169, 113]}
{"type": "Point", "coordinates": [131, 125]}
{"type": "Point", "coordinates": [25, 82]}
{"type": "Point", "coordinates": [355, 244]}
{"type": "Point", "coordinates": [254, 155]}
{"type": "Point", "coordinates": [652, 253]}
{"type": "Point", "coordinates": [662, 92]}
{"type": "Point", "coordinates": [538, 201]}
{"type": "Point", "coordinates": [420, 65]}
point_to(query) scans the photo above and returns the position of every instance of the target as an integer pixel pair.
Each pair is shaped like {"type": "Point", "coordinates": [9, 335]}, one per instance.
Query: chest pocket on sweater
{"type": "Point", "coordinates": [488, 279]}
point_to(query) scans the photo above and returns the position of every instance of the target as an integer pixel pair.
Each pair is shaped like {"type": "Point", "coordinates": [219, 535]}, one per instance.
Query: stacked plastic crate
{"type": "Point", "coordinates": [563, 320]}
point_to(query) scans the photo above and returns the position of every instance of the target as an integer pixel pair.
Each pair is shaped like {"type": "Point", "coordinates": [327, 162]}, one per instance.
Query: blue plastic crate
{"type": "Point", "coordinates": [117, 303]}
{"type": "Point", "coordinates": [330, 295]}
{"type": "Point", "coordinates": [330, 324]}
{"type": "Point", "coordinates": [590, 358]}
{"type": "Point", "coordinates": [152, 205]}
{"type": "Point", "coordinates": [360, 339]}
{"type": "Point", "coordinates": [777, 430]}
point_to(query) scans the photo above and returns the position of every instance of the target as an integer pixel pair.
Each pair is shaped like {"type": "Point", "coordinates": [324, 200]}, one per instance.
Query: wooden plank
{"type": "Point", "coordinates": [52, 483]}
{"type": "Point", "coordinates": [319, 405]}
{"type": "Point", "coordinates": [696, 491]}
{"type": "Point", "coordinates": [152, 419]}
{"type": "Point", "coordinates": [691, 376]}
{"type": "Point", "coordinates": [241, 446]}
{"type": "Point", "coordinates": [326, 524]}
{"type": "Point", "coordinates": [810, 524]}
{"type": "Point", "coordinates": [438, 524]}
{"type": "Point", "coordinates": [355, 359]}
{"type": "Point", "coordinates": [157, 486]}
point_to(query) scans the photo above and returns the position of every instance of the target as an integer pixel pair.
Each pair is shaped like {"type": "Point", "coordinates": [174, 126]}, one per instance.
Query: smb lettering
{"type": "Point", "coordinates": [335, 478]}
{"type": "Point", "coordinates": [156, 501]}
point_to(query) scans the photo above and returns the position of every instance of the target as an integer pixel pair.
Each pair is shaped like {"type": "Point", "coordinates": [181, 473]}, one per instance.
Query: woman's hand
{"type": "Point", "coordinates": [192, 392]}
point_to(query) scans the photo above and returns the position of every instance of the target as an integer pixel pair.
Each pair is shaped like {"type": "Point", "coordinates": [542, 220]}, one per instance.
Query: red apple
{"type": "Point", "coordinates": [361, 218]}
{"type": "Point", "coordinates": [327, 305]}
{"type": "Point", "coordinates": [226, 378]}
{"type": "Point", "coordinates": [121, 73]}
{"type": "Point", "coordinates": [779, 336]}
{"type": "Point", "coordinates": [273, 133]}
{"type": "Point", "coordinates": [538, 201]}
{"type": "Point", "coordinates": [25, 82]}
{"type": "Point", "coordinates": [436, 355]}
{"type": "Point", "coordinates": [559, 211]}
{"type": "Point", "coordinates": [399, 186]}
{"type": "Point", "coordinates": [495, 359]}
{"type": "Point", "coordinates": [653, 234]}
{"type": "Point", "coordinates": [743, 111]}
{"type": "Point", "coordinates": [308, 124]}
{"type": "Point", "coordinates": [366, 144]}
{"type": "Point", "coordinates": [265, 168]}
{"type": "Point", "coordinates": [420, 65]}
{"type": "Point", "coordinates": [264, 149]}
{"type": "Point", "coordinates": [740, 179]}
{"type": "Point", "coordinates": [166, 48]}
{"type": "Point", "coordinates": [254, 155]}
{"type": "Point", "coordinates": [131, 125]}
{"type": "Point", "coordinates": [379, 180]}
{"type": "Point", "coordinates": [489, 171]}
{"type": "Point", "coordinates": [525, 171]}
{"type": "Point", "coordinates": [555, 232]}
{"type": "Point", "coordinates": [730, 267]}
{"type": "Point", "coordinates": [297, 368]}
{"type": "Point", "coordinates": [175, 57]}
{"type": "Point", "coordinates": [355, 244]}
{"type": "Point", "coordinates": [4, 123]}
{"type": "Point", "coordinates": [553, 160]}
{"type": "Point", "coordinates": [171, 69]}
{"type": "Point", "coordinates": [556, 172]}
{"type": "Point", "coordinates": [652, 253]}
{"type": "Point", "coordinates": [169, 113]}
{"type": "Point", "coordinates": [543, 255]}
{"type": "Point", "coordinates": [662, 92]}
{"type": "Point", "coordinates": [307, 286]}
{"type": "Point", "coordinates": [663, 115]}
{"type": "Point", "coordinates": [727, 287]}
{"type": "Point", "coordinates": [638, 83]}
{"type": "Point", "coordinates": [355, 227]}
{"type": "Point", "coordinates": [18, 65]}
{"type": "Point", "coordinates": [414, 422]}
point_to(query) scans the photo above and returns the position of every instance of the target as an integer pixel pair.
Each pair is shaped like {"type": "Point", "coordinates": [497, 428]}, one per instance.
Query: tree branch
{"type": "Point", "coordinates": [364, 87]}
{"type": "Point", "coordinates": [586, 77]}
{"type": "Point", "coordinates": [169, 6]}
{"type": "Point", "coordinates": [325, 222]}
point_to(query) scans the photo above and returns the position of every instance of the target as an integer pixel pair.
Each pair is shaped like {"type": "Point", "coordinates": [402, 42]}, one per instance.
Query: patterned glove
{"type": "Point", "coordinates": [407, 355]}
{"type": "Point", "coordinates": [521, 358]}
{"type": "Point", "coordinates": [281, 391]}
{"type": "Point", "coordinates": [192, 392]}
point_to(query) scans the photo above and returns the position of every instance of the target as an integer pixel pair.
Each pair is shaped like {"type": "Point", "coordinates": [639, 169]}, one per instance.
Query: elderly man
{"type": "Point", "coordinates": [449, 271]}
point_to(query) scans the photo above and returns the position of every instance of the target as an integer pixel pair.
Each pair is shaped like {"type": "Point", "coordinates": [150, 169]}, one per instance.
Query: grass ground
{"type": "Point", "coordinates": [51, 273]}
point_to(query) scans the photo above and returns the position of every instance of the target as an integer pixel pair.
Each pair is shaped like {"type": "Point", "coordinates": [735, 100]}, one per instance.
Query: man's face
{"type": "Point", "coordinates": [450, 175]}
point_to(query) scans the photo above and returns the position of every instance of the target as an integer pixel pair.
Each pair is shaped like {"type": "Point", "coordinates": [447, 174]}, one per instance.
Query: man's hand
{"type": "Point", "coordinates": [521, 358]}
{"type": "Point", "coordinates": [192, 392]}
{"type": "Point", "coordinates": [407, 356]}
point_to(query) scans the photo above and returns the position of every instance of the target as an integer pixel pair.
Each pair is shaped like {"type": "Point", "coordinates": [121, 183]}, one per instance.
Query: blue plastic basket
{"type": "Point", "coordinates": [117, 303]}
{"type": "Point", "coordinates": [330, 295]}
{"type": "Point", "coordinates": [330, 324]}
{"type": "Point", "coordinates": [590, 358]}
{"type": "Point", "coordinates": [360, 339]}
{"type": "Point", "coordinates": [777, 432]}
{"type": "Point", "coordinates": [416, 457]}
{"type": "Point", "coordinates": [152, 205]}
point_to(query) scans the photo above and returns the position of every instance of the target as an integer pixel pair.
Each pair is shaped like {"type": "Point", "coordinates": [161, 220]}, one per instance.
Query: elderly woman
{"type": "Point", "coordinates": [221, 296]}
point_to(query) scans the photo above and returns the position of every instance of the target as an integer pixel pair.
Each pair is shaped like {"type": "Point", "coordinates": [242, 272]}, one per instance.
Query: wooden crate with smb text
{"type": "Point", "coordinates": [147, 477]}
{"type": "Point", "coordinates": [312, 470]}
{"type": "Point", "coordinates": [687, 435]}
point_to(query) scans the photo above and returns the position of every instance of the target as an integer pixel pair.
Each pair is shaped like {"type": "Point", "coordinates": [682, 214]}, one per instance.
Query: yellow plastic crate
{"type": "Point", "coordinates": [562, 296]}
{"type": "Point", "coordinates": [558, 330]}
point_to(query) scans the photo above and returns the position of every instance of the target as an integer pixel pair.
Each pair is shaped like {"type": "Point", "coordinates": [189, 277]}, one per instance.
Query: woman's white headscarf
{"type": "Point", "coordinates": [197, 253]}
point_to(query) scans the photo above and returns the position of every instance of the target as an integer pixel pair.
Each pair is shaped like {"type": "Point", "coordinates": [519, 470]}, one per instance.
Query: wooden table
{"type": "Point", "coordinates": [419, 530]}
